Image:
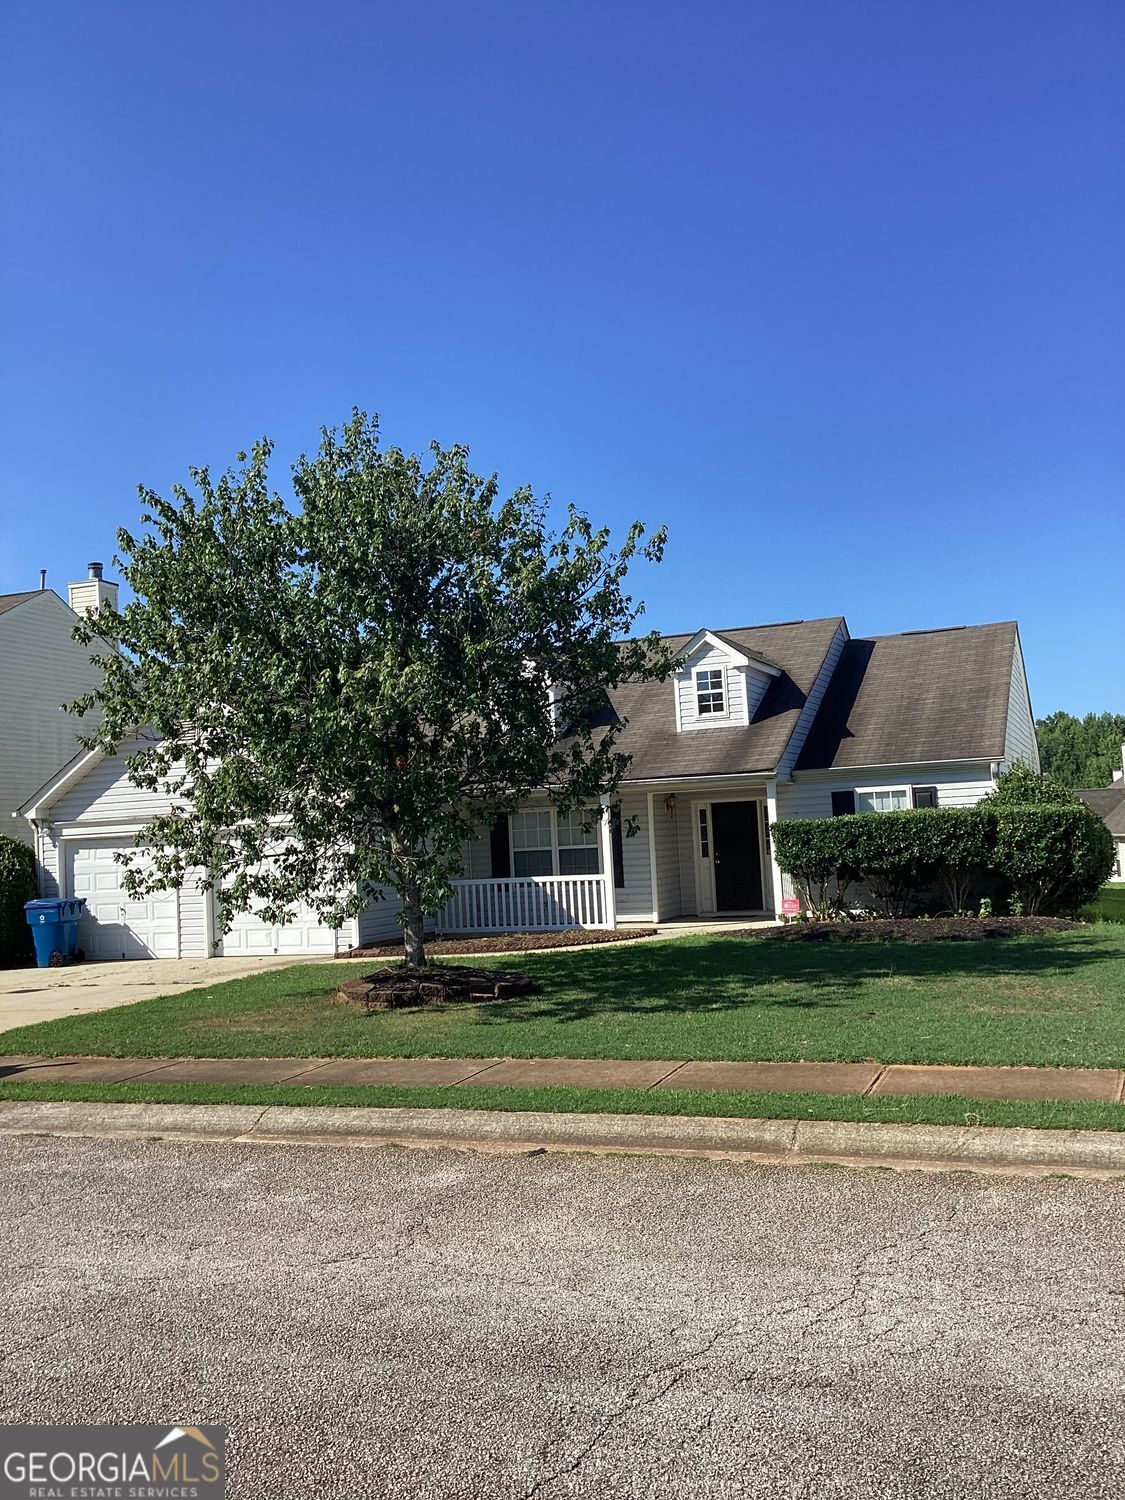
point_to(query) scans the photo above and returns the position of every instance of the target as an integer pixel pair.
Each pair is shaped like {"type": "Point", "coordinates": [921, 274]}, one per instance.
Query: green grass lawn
{"type": "Point", "coordinates": [1056, 998]}
{"type": "Point", "coordinates": [1108, 906]}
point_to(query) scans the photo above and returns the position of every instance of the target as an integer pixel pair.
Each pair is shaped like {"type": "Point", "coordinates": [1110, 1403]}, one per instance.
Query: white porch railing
{"type": "Point", "coordinates": [540, 903]}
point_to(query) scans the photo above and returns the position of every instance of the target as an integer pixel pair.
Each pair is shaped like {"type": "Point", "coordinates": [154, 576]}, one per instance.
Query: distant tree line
{"type": "Point", "coordinates": [1081, 752]}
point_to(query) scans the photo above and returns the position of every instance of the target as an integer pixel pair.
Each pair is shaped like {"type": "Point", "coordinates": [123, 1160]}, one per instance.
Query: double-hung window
{"type": "Point", "coordinates": [885, 799]}
{"type": "Point", "coordinates": [544, 843]}
{"type": "Point", "coordinates": [532, 844]}
{"type": "Point", "coordinates": [710, 698]}
{"type": "Point", "coordinates": [578, 846]}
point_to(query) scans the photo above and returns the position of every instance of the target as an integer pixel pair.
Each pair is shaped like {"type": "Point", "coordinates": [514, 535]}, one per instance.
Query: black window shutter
{"type": "Point", "coordinates": [924, 796]}
{"type": "Point", "coordinates": [501, 849]}
{"type": "Point", "coordinates": [843, 803]}
{"type": "Point", "coordinates": [618, 850]}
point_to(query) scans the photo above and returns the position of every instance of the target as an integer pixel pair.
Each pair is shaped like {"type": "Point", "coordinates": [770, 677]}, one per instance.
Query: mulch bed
{"type": "Point", "coordinates": [915, 929]}
{"type": "Point", "coordinates": [506, 942]}
{"type": "Point", "coordinates": [392, 989]}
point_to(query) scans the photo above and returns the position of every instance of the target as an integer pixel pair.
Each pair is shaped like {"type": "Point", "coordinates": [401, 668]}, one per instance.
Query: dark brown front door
{"type": "Point", "coordinates": [737, 856]}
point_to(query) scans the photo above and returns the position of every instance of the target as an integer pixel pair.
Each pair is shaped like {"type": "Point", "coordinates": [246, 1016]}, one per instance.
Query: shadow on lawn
{"type": "Point", "coordinates": [736, 973]}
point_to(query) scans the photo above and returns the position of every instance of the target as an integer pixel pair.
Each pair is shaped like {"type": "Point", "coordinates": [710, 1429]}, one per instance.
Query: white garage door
{"type": "Point", "coordinates": [117, 925]}
{"type": "Point", "coordinates": [253, 936]}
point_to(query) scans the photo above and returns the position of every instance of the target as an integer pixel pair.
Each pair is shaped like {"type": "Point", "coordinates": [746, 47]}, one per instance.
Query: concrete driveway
{"type": "Point", "coordinates": [30, 995]}
{"type": "Point", "coordinates": [437, 1324]}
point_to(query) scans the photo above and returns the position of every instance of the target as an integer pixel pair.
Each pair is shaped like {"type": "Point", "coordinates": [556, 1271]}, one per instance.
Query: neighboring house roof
{"type": "Point", "coordinates": [1109, 804]}
{"type": "Point", "coordinates": [9, 601]}
{"type": "Point", "coordinates": [923, 696]}
{"type": "Point", "coordinates": [797, 648]}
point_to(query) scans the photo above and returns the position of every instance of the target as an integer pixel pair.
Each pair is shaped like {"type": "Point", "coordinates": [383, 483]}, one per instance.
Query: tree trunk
{"type": "Point", "coordinates": [413, 925]}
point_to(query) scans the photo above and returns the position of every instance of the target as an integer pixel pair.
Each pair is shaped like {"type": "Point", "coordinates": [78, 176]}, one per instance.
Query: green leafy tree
{"type": "Point", "coordinates": [336, 694]}
{"type": "Point", "coordinates": [1081, 752]}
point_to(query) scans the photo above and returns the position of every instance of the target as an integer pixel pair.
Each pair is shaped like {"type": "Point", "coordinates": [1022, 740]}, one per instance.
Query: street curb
{"type": "Point", "coordinates": [846, 1143]}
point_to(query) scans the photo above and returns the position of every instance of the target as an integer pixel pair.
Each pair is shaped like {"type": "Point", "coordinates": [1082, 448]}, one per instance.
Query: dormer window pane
{"type": "Point", "coordinates": [709, 696]}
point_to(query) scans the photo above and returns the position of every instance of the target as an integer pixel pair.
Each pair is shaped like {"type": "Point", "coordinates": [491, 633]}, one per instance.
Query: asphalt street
{"type": "Point", "coordinates": [432, 1323]}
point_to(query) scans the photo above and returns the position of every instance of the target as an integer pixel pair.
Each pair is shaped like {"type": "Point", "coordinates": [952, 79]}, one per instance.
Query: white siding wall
{"type": "Point", "coordinates": [105, 795]}
{"type": "Point", "coordinates": [477, 855]}
{"type": "Point", "coordinates": [378, 922]}
{"type": "Point", "coordinates": [1020, 742]}
{"type": "Point", "coordinates": [809, 795]}
{"type": "Point", "coordinates": [669, 902]}
{"type": "Point", "coordinates": [194, 917]}
{"type": "Point", "coordinates": [634, 902]}
{"type": "Point", "coordinates": [40, 668]}
{"type": "Point", "coordinates": [812, 703]}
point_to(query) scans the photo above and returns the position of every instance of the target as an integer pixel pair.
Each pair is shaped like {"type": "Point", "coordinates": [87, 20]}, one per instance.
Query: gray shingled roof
{"type": "Point", "coordinates": [924, 696]}
{"type": "Point", "coordinates": [1109, 804]}
{"type": "Point", "coordinates": [798, 649]}
{"type": "Point", "coordinates": [9, 601]}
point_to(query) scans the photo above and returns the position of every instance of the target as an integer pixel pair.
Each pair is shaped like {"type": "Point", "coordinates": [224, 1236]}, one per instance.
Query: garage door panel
{"type": "Point", "coordinates": [251, 935]}
{"type": "Point", "coordinates": [117, 924]}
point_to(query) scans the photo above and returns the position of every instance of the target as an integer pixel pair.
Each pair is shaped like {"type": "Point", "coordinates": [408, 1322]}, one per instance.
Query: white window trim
{"type": "Point", "coordinates": [871, 791]}
{"type": "Point", "coordinates": [702, 718]}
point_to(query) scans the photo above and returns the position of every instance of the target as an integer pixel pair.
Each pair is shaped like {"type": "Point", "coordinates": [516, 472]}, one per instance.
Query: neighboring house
{"type": "Point", "coordinates": [796, 720]}
{"type": "Point", "coordinates": [41, 668]}
{"type": "Point", "coordinates": [1109, 804]}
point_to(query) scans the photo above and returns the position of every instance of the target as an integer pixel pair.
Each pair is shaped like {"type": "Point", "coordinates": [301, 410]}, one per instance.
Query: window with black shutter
{"type": "Point", "coordinates": [843, 803]}
{"type": "Point", "coordinates": [925, 796]}
{"type": "Point", "coordinates": [501, 849]}
{"type": "Point", "coordinates": [618, 850]}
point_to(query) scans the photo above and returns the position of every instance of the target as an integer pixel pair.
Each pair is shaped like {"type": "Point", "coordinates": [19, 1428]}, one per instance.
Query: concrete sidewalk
{"type": "Point", "coordinates": [1097, 1085]}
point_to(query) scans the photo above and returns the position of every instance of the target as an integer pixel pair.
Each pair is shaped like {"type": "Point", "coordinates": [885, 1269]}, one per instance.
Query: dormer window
{"type": "Point", "coordinates": [709, 695]}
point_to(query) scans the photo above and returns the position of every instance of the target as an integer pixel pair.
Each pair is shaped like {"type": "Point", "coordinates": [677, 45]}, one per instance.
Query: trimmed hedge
{"type": "Point", "coordinates": [17, 885]}
{"type": "Point", "coordinates": [1048, 857]}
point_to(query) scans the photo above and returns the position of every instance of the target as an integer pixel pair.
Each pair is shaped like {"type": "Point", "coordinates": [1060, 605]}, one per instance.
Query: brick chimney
{"type": "Point", "coordinates": [88, 595]}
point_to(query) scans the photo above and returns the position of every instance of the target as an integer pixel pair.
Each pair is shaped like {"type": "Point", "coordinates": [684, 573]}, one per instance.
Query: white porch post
{"type": "Point", "coordinates": [606, 832]}
{"type": "Point", "coordinates": [775, 869]}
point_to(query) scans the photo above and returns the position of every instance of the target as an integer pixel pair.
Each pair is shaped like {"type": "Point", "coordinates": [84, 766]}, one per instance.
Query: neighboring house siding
{"type": "Point", "coordinates": [40, 669]}
{"type": "Point", "coordinates": [1019, 741]}
{"type": "Point", "coordinates": [810, 795]}
{"type": "Point", "coordinates": [812, 703]}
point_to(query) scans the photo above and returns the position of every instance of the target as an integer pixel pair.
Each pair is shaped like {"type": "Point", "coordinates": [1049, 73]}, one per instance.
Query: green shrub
{"type": "Point", "coordinates": [17, 885]}
{"type": "Point", "coordinates": [892, 853]}
{"type": "Point", "coordinates": [1055, 856]}
{"type": "Point", "coordinates": [960, 846]}
{"type": "Point", "coordinates": [1048, 856]}
{"type": "Point", "coordinates": [1023, 787]}
{"type": "Point", "coordinates": [815, 852]}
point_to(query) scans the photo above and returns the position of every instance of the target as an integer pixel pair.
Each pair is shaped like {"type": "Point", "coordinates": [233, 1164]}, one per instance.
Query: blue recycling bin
{"type": "Point", "coordinates": [54, 928]}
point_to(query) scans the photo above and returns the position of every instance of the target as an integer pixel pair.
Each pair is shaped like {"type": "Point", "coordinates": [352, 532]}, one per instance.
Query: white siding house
{"type": "Point", "coordinates": [41, 668]}
{"type": "Point", "coordinates": [758, 724]}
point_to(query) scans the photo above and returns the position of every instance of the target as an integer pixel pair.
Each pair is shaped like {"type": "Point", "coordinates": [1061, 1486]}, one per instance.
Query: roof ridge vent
{"type": "Point", "coordinates": [939, 630]}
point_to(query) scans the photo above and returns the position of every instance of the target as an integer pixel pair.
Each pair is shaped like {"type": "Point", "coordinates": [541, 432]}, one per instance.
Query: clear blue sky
{"type": "Point", "coordinates": [834, 290]}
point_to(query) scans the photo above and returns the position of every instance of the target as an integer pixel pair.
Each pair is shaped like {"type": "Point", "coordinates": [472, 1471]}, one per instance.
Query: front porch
{"type": "Point", "coordinates": [689, 850]}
